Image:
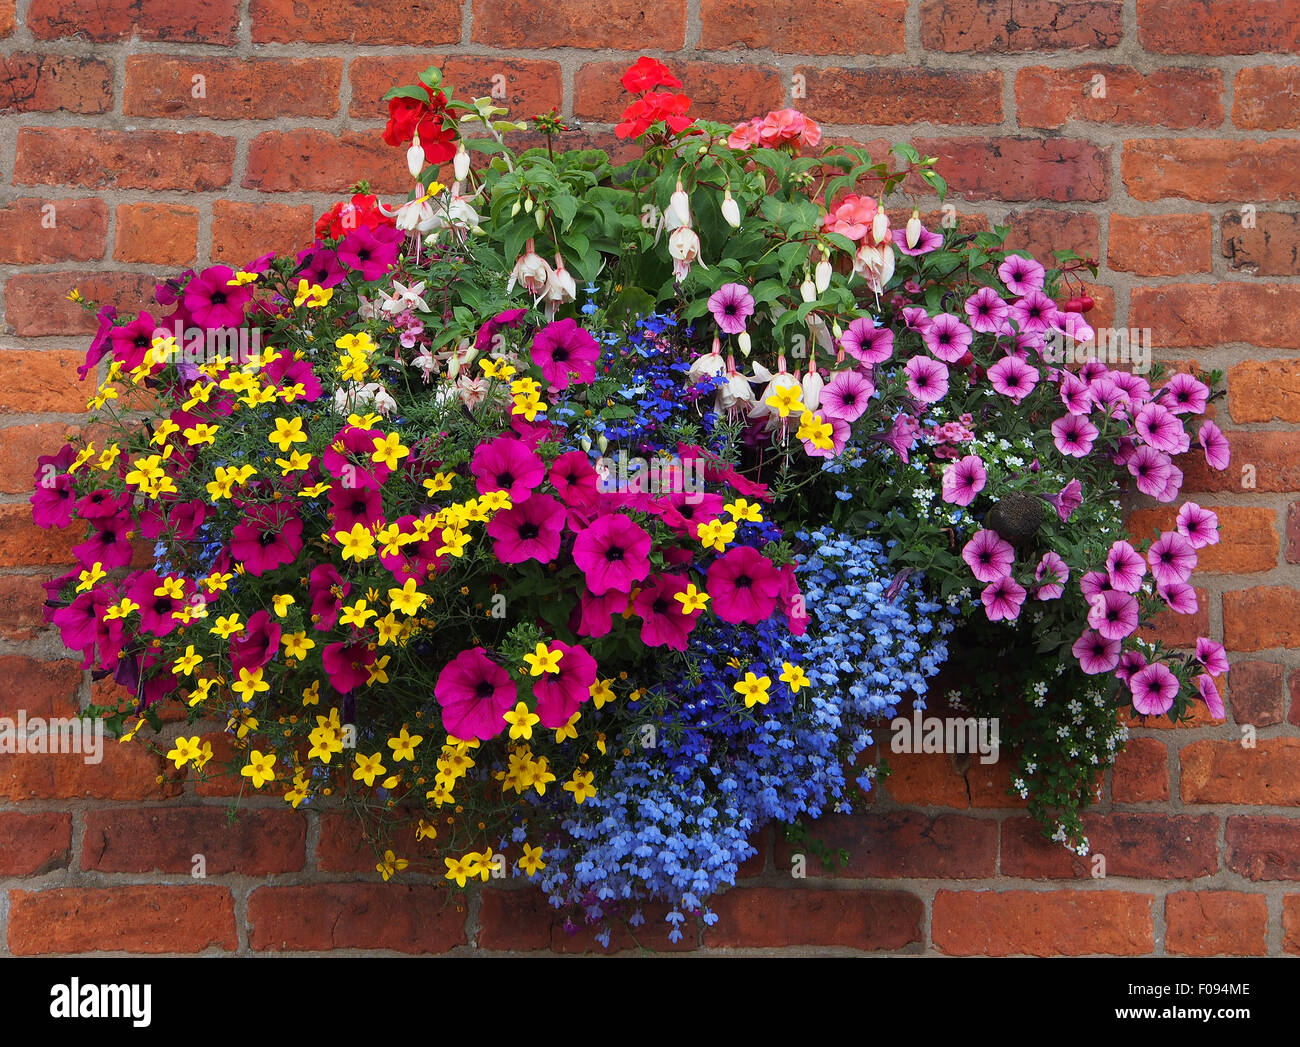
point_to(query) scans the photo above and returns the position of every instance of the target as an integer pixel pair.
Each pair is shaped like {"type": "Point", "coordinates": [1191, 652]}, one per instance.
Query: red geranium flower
{"type": "Point", "coordinates": [361, 212]}
{"type": "Point", "coordinates": [646, 74]}
{"type": "Point", "coordinates": [407, 116]}
{"type": "Point", "coordinates": [652, 108]}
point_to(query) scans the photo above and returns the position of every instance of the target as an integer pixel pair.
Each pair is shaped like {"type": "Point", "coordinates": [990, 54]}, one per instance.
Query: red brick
{"type": "Point", "coordinates": [842, 27]}
{"type": "Point", "coordinates": [1001, 168]}
{"type": "Point", "coordinates": [36, 83]}
{"type": "Point", "coordinates": [159, 234]}
{"type": "Point", "coordinates": [22, 543]}
{"type": "Point", "coordinates": [127, 772]}
{"type": "Point", "coordinates": [232, 88]}
{"type": "Point", "coordinates": [35, 230]}
{"type": "Point", "coordinates": [1261, 461]}
{"type": "Point", "coordinates": [22, 596]}
{"type": "Point", "coordinates": [620, 25]}
{"type": "Point", "coordinates": [36, 843]}
{"type": "Point", "coordinates": [774, 917]}
{"type": "Point", "coordinates": [37, 304]}
{"type": "Point", "coordinates": [21, 446]}
{"type": "Point", "coordinates": [1216, 923]}
{"type": "Point", "coordinates": [1261, 618]}
{"type": "Point", "coordinates": [219, 779]}
{"type": "Point", "coordinates": [1218, 27]}
{"type": "Point", "coordinates": [1141, 772]}
{"type": "Point", "coordinates": [998, 26]}
{"type": "Point", "coordinates": [96, 158]}
{"type": "Point", "coordinates": [989, 785]}
{"type": "Point", "coordinates": [924, 780]}
{"type": "Point", "coordinates": [1293, 533]}
{"type": "Point", "coordinates": [726, 91]}
{"type": "Point", "coordinates": [1041, 231]}
{"type": "Point", "coordinates": [405, 918]}
{"type": "Point", "coordinates": [242, 232]}
{"type": "Point", "coordinates": [1291, 923]}
{"type": "Point", "coordinates": [516, 920]}
{"type": "Point", "coordinates": [1226, 772]}
{"type": "Point", "coordinates": [756, 865]}
{"type": "Point", "coordinates": [1204, 315]}
{"type": "Point", "coordinates": [652, 936]}
{"type": "Point", "coordinates": [1295, 697]}
{"type": "Point", "coordinates": [1175, 98]}
{"type": "Point", "coordinates": [165, 840]}
{"type": "Point", "coordinates": [1160, 245]}
{"type": "Point", "coordinates": [38, 380]}
{"type": "Point", "coordinates": [1271, 247]}
{"type": "Point", "coordinates": [323, 162]}
{"type": "Point", "coordinates": [1248, 539]}
{"type": "Point", "coordinates": [196, 21]}
{"type": "Point", "coordinates": [7, 12]}
{"type": "Point", "coordinates": [1262, 391]}
{"type": "Point", "coordinates": [1141, 845]}
{"type": "Point", "coordinates": [357, 22]}
{"type": "Point", "coordinates": [900, 844]}
{"type": "Point", "coordinates": [1263, 848]}
{"type": "Point", "coordinates": [1180, 630]}
{"type": "Point", "coordinates": [902, 96]}
{"type": "Point", "coordinates": [40, 688]}
{"type": "Point", "coordinates": [1266, 98]}
{"type": "Point", "coordinates": [1255, 691]}
{"type": "Point", "coordinates": [531, 86]}
{"type": "Point", "coordinates": [1211, 170]}
{"type": "Point", "coordinates": [148, 918]}
{"type": "Point", "coordinates": [1042, 923]}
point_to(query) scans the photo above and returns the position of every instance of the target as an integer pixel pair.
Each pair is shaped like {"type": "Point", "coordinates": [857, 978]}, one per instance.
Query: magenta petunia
{"type": "Point", "coordinates": [1096, 654]}
{"type": "Point", "coordinates": [1002, 599]}
{"type": "Point", "coordinates": [350, 458]}
{"type": "Point", "coordinates": [575, 480]}
{"type": "Point", "coordinates": [988, 556]}
{"type": "Point", "coordinates": [1217, 452]}
{"type": "Point", "coordinates": [744, 586]}
{"type": "Point", "coordinates": [1012, 377]}
{"type": "Point", "coordinates": [1185, 394]}
{"type": "Point", "coordinates": [947, 338]}
{"type": "Point", "coordinates": [1210, 696]}
{"type": "Point", "coordinates": [108, 544]}
{"type": "Point", "coordinates": [559, 695]}
{"type": "Point", "coordinates": [257, 644]}
{"type": "Point", "coordinates": [867, 343]}
{"type": "Point", "coordinates": [731, 305]}
{"type": "Point", "coordinates": [211, 300]}
{"type": "Point", "coordinates": [475, 694]}
{"type": "Point", "coordinates": [927, 379]}
{"type": "Point", "coordinates": [157, 606]}
{"type": "Point", "coordinates": [847, 395]}
{"type": "Point", "coordinates": [1161, 428]}
{"type": "Point", "coordinates": [1125, 568]}
{"type": "Point", "coordinates": [1035, 313]}
{"type": "Point", "coordinates": [1051, 573]}
{"type": "Point", "coordinates": [1114, 614]}
{"type": "Point", "coordinates": [486, 340]}
{"type": "Point", "coordinates": [1211, 655]}
{"type": "Point", "coordinates": [320, 265]}
{"type": "Point", "coordinates": [1068, 499]}
{"type": "Point", "coordinates": [1180, 596]}
{"type": "Point", "coordinates": [1076, 394]}
{"type": "Point", "coordinates": [507, 464]}
{"type": "Point", "coordinates": [132, 341]}
{"type": "Point", "coordinates": [371, 252]}
{"type": "Point", "coordinates": [267, 536]}
{"type": "Point", "coordinates": [664, 622]}
{"type": "Point", "coordinates": [1073, 435]}
{"type": "Point", "coordinates": [530, 530]}
{"type": "Point", "coordinates": [326, 591]}
{"type": "Point", "coordinates": [1172, 558]}
{"type": "Point", "coordinates": [1130, 662]}
{"type": "Point", "coordinates": [613, 553]}
{"type": "Point", "coordinates": [987, 311]}
{"type": "Point", "coordinates": [1154, 689]}
{"type": "Point", "coordinates": [1199, 526]}
{"type": "Point", "coordinates": [1093, 584]}
{"type": "Point", "coordinates": [596, 613]}
{"type": "Point", "coordinates": [963, 480]}
{"type": "Point", "coordinates": [353, 505]}
{"type": "Point", "coordinates": [1151, 469]}
{"type": "Point", "coordinates": [565, 353]}
{"type": "Point", "coordinates": [1021, 275]}
{"type": "Point", "coordinates": [347, 665]}
{"type": "Point", "coordinates": [925, 243]}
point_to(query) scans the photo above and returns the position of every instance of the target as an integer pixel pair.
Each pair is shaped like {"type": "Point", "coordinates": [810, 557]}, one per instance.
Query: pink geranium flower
{"type": "Point", "coordinates": [963, 480]}
{"type": "Point", "coordinates": [1154, 689]}
{"type": "Point", "coordinates": [1096, 654]}
{"type": "Point", "coordinates": [988, 556]}
{"type": "Point", "coordinates": [475, 694]}
{"type": "Point", "coordinates": [1002, 599]}
{"type": "Point", "coordinates": [613, 554]}
{"type": "Point", "coordinates": [744, 586]}
{"type": "Point", "coordinates": [852, 218]}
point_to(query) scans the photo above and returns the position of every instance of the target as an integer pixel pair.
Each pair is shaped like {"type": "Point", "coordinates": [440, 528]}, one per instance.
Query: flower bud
{"type": "Point", "coordinates": [585, 443]}
{"type": "Point", "coordinates": [914, 229]}
{"type": "Point", "coordinates": [807, 289]}
{"type": "Point", "coordinates": [730, 210]}
{"type": "Point", "coordinates": [515, 210]}
{"type": "Point", "coordinates": [880, 227]}
{"type": "Point", "coordinates": [602, 444]}
{"type": "Point", "coordinates": [541, 218]}
{"type": "Point", "coordinates": [823, 275]}
{"type": "Point", "coordinates": [461, 164]}
{"type": "Point", "coordinates": [743, 340]}
{"type": "Point", "coordinates": [528, 205]}
{"type": "Point", "coordinates": [415, 158]}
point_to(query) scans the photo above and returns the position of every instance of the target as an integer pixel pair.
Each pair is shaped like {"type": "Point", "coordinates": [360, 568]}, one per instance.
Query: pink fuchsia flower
{"type": "Point", "coordinates": [1180, 596]}
{"type": "Point", "coordinates": [267, 536]}
{"type": "Point", "coordinates": [1154, 689]}
{"type": "Point", "coordinates": [1199, 526]}
{"type": "Point", "coordinates": [565, 353]}
{"type": "Point", "coordinates": [1067, 500]}
{"type": "Point", "coordinates": [1211, 655]}
{"type": "Point", "coordinates": [1114, 614]}
{"type": "Point", "coordinates": [531, 271]}
{"type": "Point", "coordinates": [1035, 313]}
{"type": "Point", "coordinates": [928, 241]}
{"type": "Point", "coordinates": [731, 305]}
{"type": "Point", "coordinates": [663, 622]}
{"type": "Point", "coordinates": [347, 665]}
{"type": "Point", "coordinates": [1125, 568]}
{"type": "Point", "coordinates": [1215, 444]}
{"type": "Point", "coordinates": [1002, 599]}
{"type": "Point", "coordinates": [852, 217]}
{"type": "Point", "coordinates": [1012, 377]}
{"type": "Point", "coordinates": [1130, 662]}
{"type": "Point", "coordinates": [875, 264]}
{"type": "Point", "coordinates": [1172, 558]}
{"type": "Point", "coordinates": [475, 694]}
{"type": "Point", "coordinates": [987, 311]}
{"type": "Point", "coordinates": [744, 586]}
{"type": "Point", "coordinates": [1210, 696]}
{"type": "Point", "coordinates": [212, 302]}
{"type": "Point", "coordinates": [988, 556]}
{"type": "Point", "coordinates": [507, 464]}
{"type": "Point", "coordinates": [927, 379]}
{"type": "Point", "coordinates": [1151, 470]}
{"type": "Point", "coordinates": [963, 480]}
{"type": "Point", "coordinates": [867, 343]}
{"type": "Point", "coordinates": [613, 554]}
{"type": "Point", "coordinates": [1052, 573]}
{"type": "Point", "coordinates": [1021, 275]}
{"type": "Point", "coordinates": [847, 395]}
{"type": "Point", "coordinates": [530, 530]}
{"type": "Point", "coordinates": [1096, 654]}
{"type": "Point", "coordinates": [1161, 428]}
{"type": "Point", "coordinates": [559, 695]}
{"type": "Point", "coordinates": [1074, 435]}
{"type": "Point", "coordinates": [1184, 394]}
{"type": "Point", "coordinates": [947, 337]}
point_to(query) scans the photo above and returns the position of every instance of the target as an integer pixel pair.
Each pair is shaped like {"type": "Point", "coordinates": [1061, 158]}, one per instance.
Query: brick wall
{"type": "Point", "coordinates": [168, 134]}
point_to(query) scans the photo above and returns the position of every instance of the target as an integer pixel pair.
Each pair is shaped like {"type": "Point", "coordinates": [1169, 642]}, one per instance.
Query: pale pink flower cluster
{"type": "Point", "coordinates": [779, 127]}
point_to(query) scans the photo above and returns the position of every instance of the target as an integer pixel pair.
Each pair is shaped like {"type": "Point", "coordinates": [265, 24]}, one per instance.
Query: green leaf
{"type": "Point", "coordinates": [937, 182]}
{"type": "Point", "coordinates": [407, 91]}
{"type": "Point", "coordinates": [432, 76]}
{"type": "Point", "coordinates": [904, 151]}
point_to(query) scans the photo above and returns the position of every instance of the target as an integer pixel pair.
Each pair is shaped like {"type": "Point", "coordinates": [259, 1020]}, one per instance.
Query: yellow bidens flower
{"type": "Point", "coordinates": [543, 660]}
{"type": "Point", "coordinates": [691, 600]}
{"type": "Point", "coordinates": [258, 768]}
{"type": "Point", "coordinates": [581, 786]}
{"type": "Point", "coordinates": [250, 684]}
{"type": "Point", "coordinates": [744, 511]}
{"type": "Point", "coordinates": [531, 862]}
{"type": "Point", "coordinates": [403, 745]}
{"type": "Point", "coordinates": [184, 750]}
{"type": "Point", "coordinates": [391, 865]}
{"type": "Point", "coordinates": [754, 688]}
{"type": "Point", "coordinates": [312, 295]}
{"type": "Point", "coordinates": [521, 721]}
{"type": "Point", "coordinates": [460, 868]}
{"type": "Point", "coordinates": [816, 431]}
{"type": "Point", "coordinates": [358, 543]}
{"type": "Point", "coordinates": [716, 534]}
{"type": "Point", "coordinates": [288, 431]}
{"type": "Point", "coordinates": [368, 768]}
{"type": "Point", "coordinates": [794, 677]}
{"type": "Point", "coordinates": [785, 400]}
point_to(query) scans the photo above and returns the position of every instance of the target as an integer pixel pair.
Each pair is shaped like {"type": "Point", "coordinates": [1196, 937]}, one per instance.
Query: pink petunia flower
{"type": "Point", "coordinates": [1125, 568]}
{"type": "Point", "coordinates": [1154, 689]}
{"type": "Point", "coordinates": [847, 395]}
{"type": "Point", "coordinates": [1096, 654]}
{"type": "Point", "coordinates": [267, 536]}
{"type": "Point", "coordinates": [559, 695]}
{"type": "Point", "coordinates": [927, 379]}
{"type": "Point", "coordinates": [928, 241]}
{"type": "Point", "coordinates": [565, 353]}
{"type": "Point", "coordinates": [1067, 500]}
{"type": "Point", "coordinates": [1093, 584]}
{"type": "Point", "coordinates": [963, 480]}
{"type": "Point", "coordinates": [1052, 573]}
{"type": "Point", "coordinates": [1130, 663]}
{"type": "Point", "coordinates": [1199, 526]}
{"type": "Point", "coordinates": [867, 343]}
{"type": "Point", "coordinates": [507, 464]}
{"type": "Point", "coordinates": [663, 623]}
{"type": "Point", "coordinates": [988, 556]}
{"type": "Point", "coordinates": [1074, 435]}
{"type": "Point", "coordinates": [1185, 394]}
{"type": "Point", "coordinates": [1076, 394]}
{"type": "Point", "coordinates": [1180, 596]}
{"type": "Point", "coordinates": [1012, 377]}
{"type": "Point", "coordinates": [1002, 599]}
{"type": "Point", "coordinates": [613, 553]}
{"type": "Point", "coordinates": [529, 530]}
{"type": "Point", "coordinates": [347, 665]}
{"type": "Point", "coordinates": [1021, 275]}
{"type": "Point", "coordinates": [475, 694]}
{"type": "Point", "coordinates": [1151, 469]}
{"type": "Point", "coordinates": [1211, 655]}
{"type": "Point", "coordinates": [1114, 614]}
{"type": "Point", "coordinates": [1035, 313]}
{"type": "Point", "coordinates": [1217, 452]}
{"type": "Point", "coordinates": [1210, 696]}
{"type": "Point", "coordinates": [947, 337]}
{"type": "Point", "coordinates": [987, 311]}
{"type": "Point", "coordinates": [1172, 558]}
{"type": "Point", "coordinates": [731, 305]}
{"type": "Point", "coordinates": [1160, 428]}
{"type": "Point", "coordinates": [744, 586]}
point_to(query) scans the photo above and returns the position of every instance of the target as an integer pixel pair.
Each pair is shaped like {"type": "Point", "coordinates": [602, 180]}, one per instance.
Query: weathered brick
{"type": "Point", "coordinates": [166, 839]}
{"type": "Point", "coordinates": [34, 843]}
{"type": "Point", "coordinates": [1256, 692]}
{"type": "Point", "coordinates": [772, 917]}
{"type": "Point", "coordinates": [1002, 168]}
{"type": "Point", "coordinates": [1261, 461]}
{"type": "Point", "coordinates": [22, 596]}
{"type": "Point", "coordinates": [1248, 539]}
{"type": "Point", "coordinates": [881, 95]}
{"type": "Point", "coordinates": [1139, 845]}
{"type": "Point", "coordinates": [1216, 923]}
{"type": "Point", "coordinates": [1266, 98]}
{"type": "Point", "coordinates": [1264, 391]}
{"type": "Point", "coordinates": [410, 918]}
{"type": "Point", "coordinates": [127, 918]}
{"type": "Point", "coordinates": [1218, 27]}
{"type": "Point", "coordinates": [37, 83]}
{"type": "Point", "coordinates": [356, 22]}
{"type": "Point", "coordinates": [315, 161]}
{"type": "Point", "coordinates": [196, 21]}
{"type": "Point", "coordinates": [1117, 94]}
{"type": "Point", "coordinates": [621, 25]}
{"type": "Point", "coordinates": [35, 230]}
{"type": "Point", "coordinates": [1160, 245]}
{"type": "Point", "coordinates": [159, 234]}
{"type": "Point", "coordinates": [1291, 923]}
{"type": "Point", "coordinates": [900, 844]}
{"type": "Point", "coordinates": [231, 88]}
{"type": "Point", "coordinates": [998, 26]}
{"type": "Point", "coordinates": [1141, 772]}
{"type": "Point", "coordinates": [23, 544]}
{"type": "Point", "coordinates": [531, 85]}
{"type": "Point", "coordinates": [39, 380]}
{"type": "Point", "coordinates": [1203, 315]}
{"type": "Point", "coordinates": [97, 158]}
{"type": "Point", "coordinates": [842, 27]}
{"type": "Point", "coordinates": [1042, 923]}
{"type": "Point", "coordinates": [1211, 170]}
{"type": "Point", "coordinates": [1269, 247]}
{"type": "Point", "coordinates": [1263, 848]}
{"type": "Point", "coordinates": [1226, 772]}
{"type": "Point", "coordinates": [1041, 231]}
{"type": "Point", "coordinates": [243, 231]}
{"type": "Point", "coordinates": [1261, 618]}
{"type": "Point", "coordinates": [37, 304]}
{"type": "Point", "coordinates": [39, 688]}
{"type": "Point", "coordinates": [1180, 630]}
